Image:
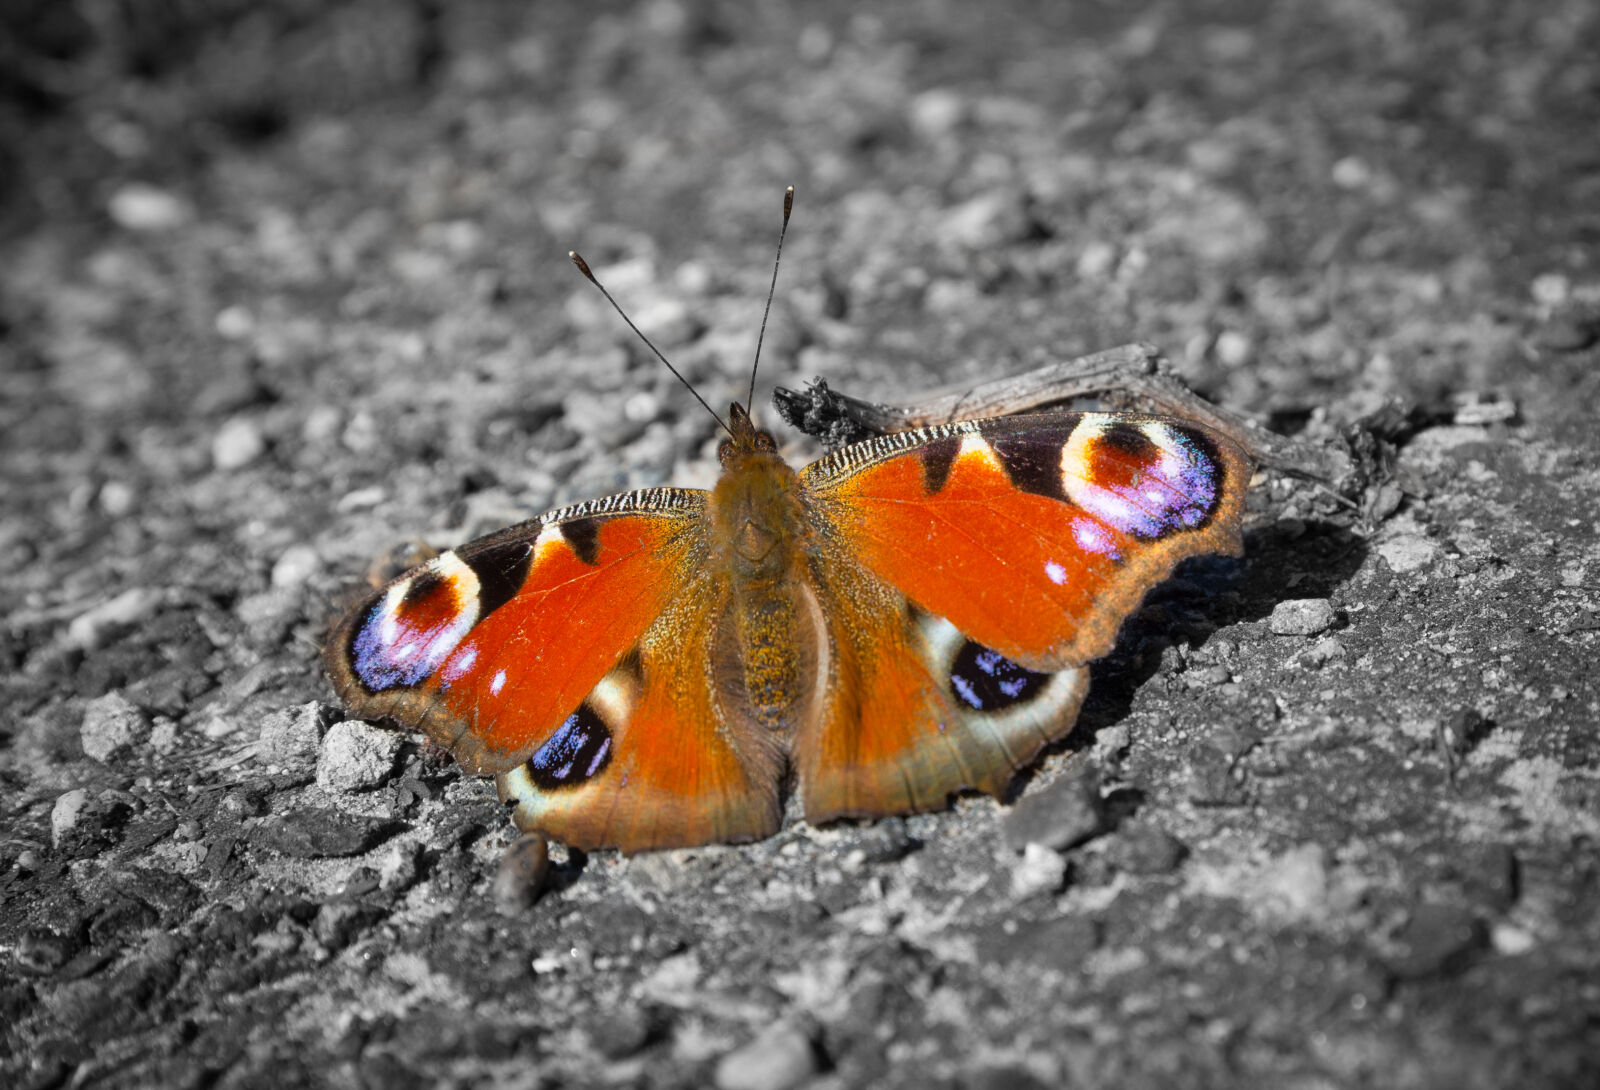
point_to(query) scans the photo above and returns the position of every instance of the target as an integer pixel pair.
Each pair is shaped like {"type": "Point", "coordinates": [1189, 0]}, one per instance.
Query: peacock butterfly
{"type": "Point", "coordinates": [906, 618]}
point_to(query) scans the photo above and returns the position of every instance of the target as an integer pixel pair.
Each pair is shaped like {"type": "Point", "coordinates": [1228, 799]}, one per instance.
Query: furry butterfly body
{"type": "Point", "coordinates": [901, 620]}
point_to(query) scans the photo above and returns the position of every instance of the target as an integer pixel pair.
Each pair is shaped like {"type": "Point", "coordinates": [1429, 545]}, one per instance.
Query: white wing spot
{"type": "Point", "coordinates": [1057, 574]}
{"type": "Point", "coordinates": [498, 683]}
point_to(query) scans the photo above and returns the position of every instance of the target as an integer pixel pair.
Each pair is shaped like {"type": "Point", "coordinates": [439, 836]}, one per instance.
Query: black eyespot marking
{"type": "Point", "coordinates": [575, 753]}
{"type": "Point", "coordinates": [1129, 439]}
{"type": "Point", "coordinates": [423, 584]}
{"type": "Point", "coordinates": [1031, 465]}
{"type": "Point", "coordinates": [987, 681]}
{"type": "Point", "coordinates": [938, 458]}
{"type": "Point", "coordinates": [583, 537]}
{"type": "Point", "coordinates": [501, 571]}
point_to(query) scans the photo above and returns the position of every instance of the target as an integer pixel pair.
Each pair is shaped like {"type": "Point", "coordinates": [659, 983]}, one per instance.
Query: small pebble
{"type": "Point", "coordinates": [1509, 940]}
{"type": "Point", "coordinates": [293, 735]}
{"type": "Point", "coordinates": [1144, 849]}
{"type": "Point", "coordinates": [65, 813]}
{"type": "Point", "coordinates": [141, 207]}
{"type": "Point", "coordinates": [617, 1035]}
{"type": "Point", "coordinates": [1065, 813]}
{"type": "Point", "coordinates": [1408, 552]}
{"type": "Point", "coordinates": [112, 725]}
{"type": "Point", "coordinates": [163, 735]}
{"type": "Point", "coordinates": [237, 443]}
{"type": "Point", "coordinates": [1438, 938]}
{"type": "Point", "coordinates": [296, 564]}
{"type": "Point", "coordinates": [1322, 652]}
{"type": "Point", "coordinates": [1550, 289]}
{"type": "Point", "coordinates": [1567, 332]}
{"type": "Point", "coordinates": [398, 871]}
{"type": "Point", "coordinates": [519, 879]}
{"type": "Point", "coordinates": [235, 323]}
{"type": "Point", "coordinates": [117, 498]}
{"type": "Point", "coordinates": [986, 222]}
{"type": "Point", "coordinates": [1295, 884]}
{"type": "Point", "coordinates": [1233, 349]}
{"type": "Point", "coordinates": [1041, 870]}
{"type": "Point", "coordinates": [94, 627]}
{"type": "Point", "coordinates": [1302, 617]}
{"type": "Point", "coordinates": [937, 113]}
{"type": "Point", "coordinates": [1202, 677]}
{"type": "Point", "coordinates": [338, 923]}
{"type": "Point", "coordinates": [599, 418]}
{"type": "Point", "coordinates": [779, 1058]}
{"type": "Point", "coordinates": [356, 756]}
{"type": "Point", "coordinates": [321, 834]}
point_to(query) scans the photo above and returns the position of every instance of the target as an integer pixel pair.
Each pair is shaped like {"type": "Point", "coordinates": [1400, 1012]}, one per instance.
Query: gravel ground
{"type": "Point", "coordinates": [285, 294]}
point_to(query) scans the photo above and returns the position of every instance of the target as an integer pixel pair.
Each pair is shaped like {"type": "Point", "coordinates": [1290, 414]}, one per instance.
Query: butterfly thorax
{"type": "Point", "coordinates": [766, 660]}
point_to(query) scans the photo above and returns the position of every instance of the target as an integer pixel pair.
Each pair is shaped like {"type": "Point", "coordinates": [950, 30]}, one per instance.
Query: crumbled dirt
{"type": "Point", "coordinates": [285, 298]}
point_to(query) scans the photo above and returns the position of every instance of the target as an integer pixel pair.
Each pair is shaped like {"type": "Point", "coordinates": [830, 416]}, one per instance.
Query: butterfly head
{"type": "Point", "coordinates": [744, 438]}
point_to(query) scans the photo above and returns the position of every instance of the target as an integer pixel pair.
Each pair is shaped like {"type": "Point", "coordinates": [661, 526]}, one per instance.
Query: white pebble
{"type": "Point", "coordinates": [1551, 290]}
{"type": "Point", "coordinates": [937, 113]}
{"type": "Point", "coordinates": [291, 735]}
{"type": "Point", "coordinates": [91, 628]}
{"type": "Point", "coordinates": [64, 814]}
{"type": "Point", "coordinates": [356, 756]}
{"type": "Point", "coordinates": [1233, 348]}
{"type": "Point", "coordinates": [779, 1058]}
{"type": "Point", "coordinates": [237, 443]}
{"type": "Point", "coordinates": [117, 498]}
{"type": "Point", "coordinates": [1302, 617]}
{"type": "Point", "coordinates": [296, 564]}
{"type": "Point", "coordinates": [1041, 870]}
{"type": "Point", "coordinates": [141, 207]}
{"type": "Point", "coordinates": [1408, 552]}
{"type": "Point", "coordinates": [112, 725]}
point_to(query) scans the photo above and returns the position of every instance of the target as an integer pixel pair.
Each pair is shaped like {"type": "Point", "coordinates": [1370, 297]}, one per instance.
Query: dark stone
{"type": "Point", "coordinates": [338, 923]}
{"type": "Point", "coordinates": [1211, 778]}
{"type": "Point", "coordinates": [1568, 332]}
{"type": "Point", "coordinates": [886, 841]}
{"type": "Point", "coordinates": [520, 877]}
{"type": "Point", "coordinates": [1438, 939]}
{"type": "Point", "coordinates": [43, 951]}
{"type": "Point", "coordinates": [620, 1034]}
{"type": "Point", "coordinates": [322, 834]}
{"type": "Point", "coordinates": [1009, 1077]}
{"type": "Point", "coordinates": [1145, 849]}
{"type": "Point", "coordinates": [146, 832]}
{"type": "Point", "coordinates": [173, 895]}
{"type": "Point", "coordinates": [1063, 814]}
{"type": "Point", "coordinates": [119, 919]}
{"type": "Point", "coordinates": [1063, 943]}
{"type": "Point", "coordinates": [1488, 875]}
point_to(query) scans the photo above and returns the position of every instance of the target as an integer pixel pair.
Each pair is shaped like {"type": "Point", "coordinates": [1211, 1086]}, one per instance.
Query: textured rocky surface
{"type": "Point", "coordinates": [285, 293]}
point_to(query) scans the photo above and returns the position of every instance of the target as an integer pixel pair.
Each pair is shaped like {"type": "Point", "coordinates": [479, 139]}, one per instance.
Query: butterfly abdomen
{"type": "Point", "coordinates": [766, 656]}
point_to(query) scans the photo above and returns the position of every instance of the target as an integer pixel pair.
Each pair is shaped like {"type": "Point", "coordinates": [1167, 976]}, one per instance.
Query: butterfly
{"type": "Point", "coordinates": [904, 619]}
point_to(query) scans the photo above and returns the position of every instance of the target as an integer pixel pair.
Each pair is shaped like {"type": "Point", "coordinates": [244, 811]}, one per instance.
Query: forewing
{"type": "Point", "coordinates": [1035, 535]}
{"type": "Point", "coordinates": [489, 647]}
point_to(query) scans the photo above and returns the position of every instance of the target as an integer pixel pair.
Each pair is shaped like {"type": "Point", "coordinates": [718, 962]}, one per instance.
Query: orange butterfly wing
{"type": "Point", "coordinates": [571, 654]}
{"type": "Point", "coordinates": [969, 570]}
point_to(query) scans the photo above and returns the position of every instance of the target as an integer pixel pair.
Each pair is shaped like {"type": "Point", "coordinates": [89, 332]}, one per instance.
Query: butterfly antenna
{"type": "Point", "coordinates": [788, 206]}
{"type": "Point", "coordinates": [583, 267]}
